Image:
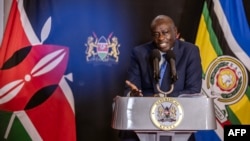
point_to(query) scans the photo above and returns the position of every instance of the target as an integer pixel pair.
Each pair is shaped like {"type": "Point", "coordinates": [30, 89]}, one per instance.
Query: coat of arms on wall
{"type": "Point", "coordinates": [102, 49]}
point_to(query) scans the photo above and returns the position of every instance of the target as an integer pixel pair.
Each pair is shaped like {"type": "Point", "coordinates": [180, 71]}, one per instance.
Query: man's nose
{"type": "Point", "coordinates": [161, 36]}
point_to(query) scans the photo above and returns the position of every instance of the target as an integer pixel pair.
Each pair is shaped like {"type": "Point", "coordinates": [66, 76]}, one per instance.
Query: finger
{"type": "Point", "coordinates": [131, 85]}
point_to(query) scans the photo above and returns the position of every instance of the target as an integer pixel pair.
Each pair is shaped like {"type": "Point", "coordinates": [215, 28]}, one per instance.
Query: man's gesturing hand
{"type": "Point", "coordinates": [134, 90]}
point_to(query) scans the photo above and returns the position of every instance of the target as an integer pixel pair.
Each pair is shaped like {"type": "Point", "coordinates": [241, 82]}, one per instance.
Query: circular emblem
{"type": "Point", "coordinates": [227, 79]}
{"type": "Point", "coordinates": [166, 113]}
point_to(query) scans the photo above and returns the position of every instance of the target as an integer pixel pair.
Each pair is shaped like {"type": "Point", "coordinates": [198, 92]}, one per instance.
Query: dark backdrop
{"type": "Point", "coordinates": [95, 84]}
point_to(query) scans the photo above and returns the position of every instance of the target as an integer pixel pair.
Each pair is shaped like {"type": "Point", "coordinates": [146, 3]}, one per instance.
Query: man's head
{"type": "Point", "coordinates": [164, 32]}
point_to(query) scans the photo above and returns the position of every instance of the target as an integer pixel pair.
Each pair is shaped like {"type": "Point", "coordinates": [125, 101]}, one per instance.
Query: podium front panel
{"type": "Point", "coordinates": [135, 113]}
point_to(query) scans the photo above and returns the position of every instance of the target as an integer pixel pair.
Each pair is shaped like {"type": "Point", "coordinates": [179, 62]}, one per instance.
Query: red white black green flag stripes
{"type": "Point", "coordinates": [36, 102]}
{"type": "Point", "coordinates": [223, 39]}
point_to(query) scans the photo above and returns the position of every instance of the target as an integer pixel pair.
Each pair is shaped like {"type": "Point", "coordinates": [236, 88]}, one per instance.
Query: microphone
{"type": "Point", "coordinates": [156, 57]}
{"type": "Point", "coordinates": [170, 57]}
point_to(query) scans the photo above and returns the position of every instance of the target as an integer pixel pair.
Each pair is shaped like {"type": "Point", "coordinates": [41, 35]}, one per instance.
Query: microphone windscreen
{"type": "Point", "coordinates": [156, 54]}
{"type": "Point", "coordinates": [170, 54]}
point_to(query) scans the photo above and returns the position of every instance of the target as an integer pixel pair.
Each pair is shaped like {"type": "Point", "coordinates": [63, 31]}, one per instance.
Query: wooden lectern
{"type": "Point", "coordinates": [159, 118]}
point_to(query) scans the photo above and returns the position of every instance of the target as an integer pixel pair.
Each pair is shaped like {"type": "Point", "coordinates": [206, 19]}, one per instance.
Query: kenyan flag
{"type": "Point", "coordinates": [36, 102]}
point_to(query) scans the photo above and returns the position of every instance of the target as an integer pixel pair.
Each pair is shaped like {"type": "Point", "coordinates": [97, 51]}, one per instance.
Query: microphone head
{"type": "Point", "coordinates": [156, 54]}
{"type": "Point", "coordinates": [170, 54]}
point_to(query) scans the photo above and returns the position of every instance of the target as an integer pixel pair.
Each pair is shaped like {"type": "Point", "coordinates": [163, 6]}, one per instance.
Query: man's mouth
{"type": "Point", "coordinates": [162, 44]}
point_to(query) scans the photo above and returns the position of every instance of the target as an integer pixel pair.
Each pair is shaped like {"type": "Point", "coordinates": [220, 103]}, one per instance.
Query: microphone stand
{"type": "Point", "coordinates": [162, 93]}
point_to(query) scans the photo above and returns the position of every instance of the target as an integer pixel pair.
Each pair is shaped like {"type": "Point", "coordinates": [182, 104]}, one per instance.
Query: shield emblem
{"type": "Point", "coordinates": [102, 47]}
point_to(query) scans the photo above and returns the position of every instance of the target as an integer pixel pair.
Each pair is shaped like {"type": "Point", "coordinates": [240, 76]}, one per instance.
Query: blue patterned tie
{"type": "Point", "coordinates": [162, 68]}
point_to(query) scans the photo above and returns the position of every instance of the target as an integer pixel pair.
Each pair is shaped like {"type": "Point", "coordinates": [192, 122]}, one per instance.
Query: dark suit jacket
{"type": "Point", "coordinates": [188, 67]}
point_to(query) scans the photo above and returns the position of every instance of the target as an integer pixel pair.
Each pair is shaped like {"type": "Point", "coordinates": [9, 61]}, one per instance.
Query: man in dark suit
{"type": "Point", "coordinates": [141, 81]}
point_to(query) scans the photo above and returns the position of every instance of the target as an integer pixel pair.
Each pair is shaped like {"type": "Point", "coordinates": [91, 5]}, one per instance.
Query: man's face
{"type": "Point", "coordinates": [164, 35]}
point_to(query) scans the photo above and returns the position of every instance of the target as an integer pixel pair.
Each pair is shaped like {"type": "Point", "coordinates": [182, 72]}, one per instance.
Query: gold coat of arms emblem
{"type": "Point", "coordinates": [102, 49]}
{"type": "Point", "coordinates": [166, 113]}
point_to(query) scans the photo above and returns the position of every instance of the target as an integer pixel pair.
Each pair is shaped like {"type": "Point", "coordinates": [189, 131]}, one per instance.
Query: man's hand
{"type": "Point", "coordinates": [134, 90]}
